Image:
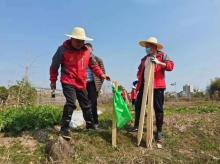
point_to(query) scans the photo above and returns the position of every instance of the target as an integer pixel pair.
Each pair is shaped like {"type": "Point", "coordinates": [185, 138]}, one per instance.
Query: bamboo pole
{"type": "Point", "coordinates": [147, 105]}
{"type": "Point", "coordinates": [150, 109]}
{"type": "Point", "coordinates": [114, 127]}
{"type": "Point", "coordinates": [144, 101]}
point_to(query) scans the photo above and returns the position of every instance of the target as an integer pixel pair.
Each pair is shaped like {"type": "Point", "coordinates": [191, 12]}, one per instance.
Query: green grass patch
{"type": "Point", "coordinates": [16, 120]}
{"type": "Point", "coordinates": [192, 110]}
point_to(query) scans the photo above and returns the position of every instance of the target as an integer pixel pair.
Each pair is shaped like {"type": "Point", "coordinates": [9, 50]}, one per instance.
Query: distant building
{"type": "Point", "coordinates": [187, 91]}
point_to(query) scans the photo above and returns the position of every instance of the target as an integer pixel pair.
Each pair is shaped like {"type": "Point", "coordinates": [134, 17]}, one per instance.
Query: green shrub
{"type": "Point", "coordinates": [19, 119]}
{"type": "Point", "coordinates": [22, 94]}
{"type": "Point", "coordinates": [3, 94]}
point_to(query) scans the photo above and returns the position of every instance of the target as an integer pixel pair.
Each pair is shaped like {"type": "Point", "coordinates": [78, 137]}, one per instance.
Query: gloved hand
{"type": "Point", "coordinates": [155, 60]}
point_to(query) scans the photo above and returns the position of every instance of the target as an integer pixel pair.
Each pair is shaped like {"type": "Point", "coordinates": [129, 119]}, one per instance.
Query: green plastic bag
{"type": "Point", "coordinates": [122, 112]}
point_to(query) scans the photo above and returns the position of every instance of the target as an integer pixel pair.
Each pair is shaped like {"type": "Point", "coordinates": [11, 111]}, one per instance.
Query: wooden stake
{"type": "Point", "coordinates": [114, 130]}
{"type": "Point", "coordinates": [150, 109]}
{"type": "Point", "coordinates": [147, 104]}
{"type": "Point", "coordinates": [114, 127]}
{"type": "Point", "coordinates": [144, 101]}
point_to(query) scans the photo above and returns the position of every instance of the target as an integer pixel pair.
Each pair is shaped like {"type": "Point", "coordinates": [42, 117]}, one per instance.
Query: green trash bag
{"type": "Point", "coordinates": [123, 115]}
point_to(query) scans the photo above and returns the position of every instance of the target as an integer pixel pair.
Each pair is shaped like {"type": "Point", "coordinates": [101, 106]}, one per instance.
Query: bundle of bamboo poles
{"type": "Point", "coordinates": [147, 105]}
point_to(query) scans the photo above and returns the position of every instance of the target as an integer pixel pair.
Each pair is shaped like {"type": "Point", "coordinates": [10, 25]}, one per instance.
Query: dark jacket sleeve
{"type": "Point", "coordinates": [56, 61]}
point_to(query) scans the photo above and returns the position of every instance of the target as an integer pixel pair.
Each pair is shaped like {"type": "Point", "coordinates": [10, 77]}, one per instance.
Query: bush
{"type": "Point", "coordinates": [18, 119]}
{"type": "Point", "coordinates": [198, 95]}
{"type": "Point", "coordinates": [214, 88]}
{"type": "Point", "coordinates": [22, 94]}
{"type": "Point", "coordinates": [3, 94]}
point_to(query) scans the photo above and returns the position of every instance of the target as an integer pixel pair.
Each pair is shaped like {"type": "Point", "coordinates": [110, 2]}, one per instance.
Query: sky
{"type": "Point", "coordinates": [31, 31]}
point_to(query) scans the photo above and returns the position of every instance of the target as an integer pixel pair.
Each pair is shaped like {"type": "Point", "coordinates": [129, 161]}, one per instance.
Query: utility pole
{"type": "Point", "coordinates": [26, 74]}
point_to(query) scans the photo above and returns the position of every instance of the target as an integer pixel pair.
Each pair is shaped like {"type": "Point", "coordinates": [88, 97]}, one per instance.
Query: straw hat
{"type": "Point", "coordinates": [150, 41]}
{"type": "Point", "coordinates": [79, 33]}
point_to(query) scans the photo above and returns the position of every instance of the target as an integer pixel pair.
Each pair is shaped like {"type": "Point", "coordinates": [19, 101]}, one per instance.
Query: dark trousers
{"type": "Point", "coordinates": [71, 94]}
{"type": "Point", "coordinates": [93, 95]}
{"type": "Point", "coordinates": [158, 107]}
{"type": "Point", "coordinates": [133, 102]}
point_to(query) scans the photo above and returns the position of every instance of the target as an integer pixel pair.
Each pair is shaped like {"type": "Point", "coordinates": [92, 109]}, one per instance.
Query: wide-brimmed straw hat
{"type": "Point", "coordinates": [79, 33]}
{"type": "Point", "coordinates": [150, 41]}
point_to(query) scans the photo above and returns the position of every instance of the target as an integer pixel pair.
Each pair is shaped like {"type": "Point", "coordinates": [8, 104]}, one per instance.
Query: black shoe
{"type": "Point", "coordinates": [65, 134]}
{"type": "Point", "coordinates": [90, 126]}
{"type": "Point", "coordinates": [96, 126]}
{"type": "Point", "coordinates": [134, 129]}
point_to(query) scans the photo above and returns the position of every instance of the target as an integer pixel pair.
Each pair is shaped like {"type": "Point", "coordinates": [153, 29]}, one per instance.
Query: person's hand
{"type": "Point", "coordinates": [115, 84]}
{"type": "Point", "coordinates": [53, 85]}
{"type": "Point", "coordinates": [106, 77]}
{"type": "Point", "coordinates": [155, 60]}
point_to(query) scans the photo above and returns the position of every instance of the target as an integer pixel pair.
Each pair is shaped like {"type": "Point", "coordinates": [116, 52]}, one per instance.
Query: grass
{"type": "Point", "coordinates": [191, 135]}
{"type": "Point", "coordinates": [15, 120]}
{"type": "Point", "coordinates": [19, 154]}
{"type": "Point", "coordinates": [192, 110]}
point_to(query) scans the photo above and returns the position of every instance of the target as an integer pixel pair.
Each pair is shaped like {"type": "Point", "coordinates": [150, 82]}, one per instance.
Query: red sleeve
{"type": "Point", "coordinates": [140, 67]}
{"type": "Point", "coordinates": [169, 63]}
{"type": "Point", "coordinates": [139, 74]}
{"type": "Point", "coordinates": [169, 66]}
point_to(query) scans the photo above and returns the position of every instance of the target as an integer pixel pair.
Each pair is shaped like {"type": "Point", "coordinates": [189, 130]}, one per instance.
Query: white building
{"type": "Point", "coordinates": [187, 90]}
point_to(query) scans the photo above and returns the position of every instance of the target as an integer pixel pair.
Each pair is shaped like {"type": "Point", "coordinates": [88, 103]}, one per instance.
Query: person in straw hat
{"type": "Point", "coordinates": [162, 63]}
{"type": "Point", "coordinates": [74, 58]}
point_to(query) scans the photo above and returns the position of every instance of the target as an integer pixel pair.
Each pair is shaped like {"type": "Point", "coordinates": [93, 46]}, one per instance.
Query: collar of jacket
{"type": "Point", "coordinates": [67, 45]}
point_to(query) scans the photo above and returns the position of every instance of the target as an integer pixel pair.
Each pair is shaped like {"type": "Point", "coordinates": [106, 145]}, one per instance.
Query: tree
{"type": "Point", "coordinates": [214, 88]}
